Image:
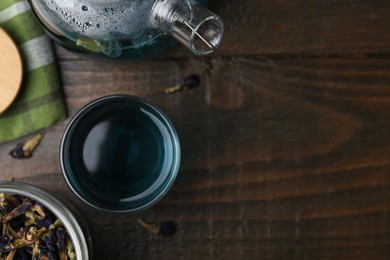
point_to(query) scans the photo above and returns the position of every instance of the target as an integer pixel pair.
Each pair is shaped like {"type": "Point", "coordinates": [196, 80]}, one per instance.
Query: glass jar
{"type": "Point", "coordinates": [75, 226]}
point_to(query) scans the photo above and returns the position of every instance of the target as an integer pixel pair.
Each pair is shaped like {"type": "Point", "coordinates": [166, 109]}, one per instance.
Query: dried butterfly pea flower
{"type": "Point", "coordinates": [50, 250]}
{"type": "Point", "coordinates": [36, 215]}
{"type": "Point", "coordinates": [17, 152]}
{"type": "Point", "coordinates": [60, 238]}
{"type": "Point", "coordinates": [6, 243]}
{"type": "Point", "coordinates": [39, 209]}
{"type": "Point", "coordinates": [35, 250]}
{"type": "Point", "coordinates": [5, 206]}
{"type": "Point", "coordinates": [19, 210]}
{"type": "Point", "coordinates": [33, 234]}
{"type": "Point", "coordinates": [23, 151]}
{"type": "Point", "coordinates": [188, 82]}
{"type": "Point", "coordinates": [23, 254]}
{"type": "Point", "coordinates": [43, 222]}
{"type": "Point", "coordinates": [166, 229]}
{"type": "Point", "coordinates": [57, 223]}
{"type": "Point", "coordinates": [31, 231]}
{"type": "Point", "coordinates": [70, 250]}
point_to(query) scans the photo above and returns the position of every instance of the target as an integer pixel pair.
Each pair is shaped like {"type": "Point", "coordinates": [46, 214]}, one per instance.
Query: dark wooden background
{"type": "Point", "coordinates": [285, 144]}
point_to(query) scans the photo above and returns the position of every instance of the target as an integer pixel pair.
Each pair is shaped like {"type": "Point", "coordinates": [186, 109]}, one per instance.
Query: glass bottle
{"type": "Point", "coordinates": [129, 28]}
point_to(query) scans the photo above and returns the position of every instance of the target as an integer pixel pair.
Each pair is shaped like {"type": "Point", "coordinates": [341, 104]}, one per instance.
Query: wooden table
{"type": "Point", "coordinates": [285, 143]}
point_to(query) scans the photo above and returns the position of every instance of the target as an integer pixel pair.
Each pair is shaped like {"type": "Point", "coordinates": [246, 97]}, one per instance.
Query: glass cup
{"type": "Point", "coordinates": [120, 154]}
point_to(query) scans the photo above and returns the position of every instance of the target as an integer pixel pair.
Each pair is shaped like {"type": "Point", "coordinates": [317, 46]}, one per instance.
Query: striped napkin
{"type": "Point", "coordinates": [40, 102]}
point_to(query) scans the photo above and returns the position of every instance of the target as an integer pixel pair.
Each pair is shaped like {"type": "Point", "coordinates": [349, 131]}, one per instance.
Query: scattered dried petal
{"type": "Point", "coordinates": [150, 227]}
{"type": "Point", "coordinates": [172, 90]}
{"type": "Point", "coordinates": [186, 83]}
{"type": "Point", "coordinates": [23, 151]}
{"type": "Point", "coordinates": [31, 144]}
{"type": "Point", "coordinates": [17, 152]}
{"type": "Point", "coordinates": [190, 81]}
{"type": "Point", "coordinates": [166, 229]}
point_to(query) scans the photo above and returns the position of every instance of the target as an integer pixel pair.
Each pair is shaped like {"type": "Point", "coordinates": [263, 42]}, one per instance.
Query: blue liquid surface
{"type": "Point", "coordinates": [119, 154]}
{"type": "Point", "coordinates": [123, 154]}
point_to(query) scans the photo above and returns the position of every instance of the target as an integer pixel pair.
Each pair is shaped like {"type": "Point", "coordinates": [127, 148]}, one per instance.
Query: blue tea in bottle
{"type": "Point", "coordinates": [129, 28]}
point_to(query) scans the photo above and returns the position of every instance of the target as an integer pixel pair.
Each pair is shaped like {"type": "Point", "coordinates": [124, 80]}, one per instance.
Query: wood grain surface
{"type": "Point", "coordinates": [285, 143]}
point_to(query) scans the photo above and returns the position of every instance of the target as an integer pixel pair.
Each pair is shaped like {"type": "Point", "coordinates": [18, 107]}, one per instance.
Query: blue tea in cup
{"type": "Point", "coordinates": [120, 154]}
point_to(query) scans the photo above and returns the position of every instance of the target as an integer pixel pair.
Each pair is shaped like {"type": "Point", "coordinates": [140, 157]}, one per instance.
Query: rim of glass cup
{"type": "Point", "coordinates": [168, 182]}
{"type": "Point", "coordinates": [58, 208]}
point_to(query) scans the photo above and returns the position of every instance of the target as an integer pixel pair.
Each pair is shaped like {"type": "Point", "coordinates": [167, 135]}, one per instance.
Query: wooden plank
{"type": "Point", "coordinates": [307, 28]}
{"type": "Point", "coordinates": [304, 27]}
{"type": "Point", "coordinates": [282, 158]}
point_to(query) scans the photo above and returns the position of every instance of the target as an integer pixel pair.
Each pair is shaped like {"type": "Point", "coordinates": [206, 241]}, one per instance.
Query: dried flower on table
{"type": "Point", "coordinates": [186, 83]}
{"type": "Point", "coordinates": [166, 229]}
{"type": "Point", "coordinates": [31, 231]}
{"type": "Point", "coordinates": [22, 151]}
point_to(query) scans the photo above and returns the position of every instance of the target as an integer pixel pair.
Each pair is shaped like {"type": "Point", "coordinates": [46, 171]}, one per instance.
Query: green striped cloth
{"type": "Point", "coordinates": [40, 102]}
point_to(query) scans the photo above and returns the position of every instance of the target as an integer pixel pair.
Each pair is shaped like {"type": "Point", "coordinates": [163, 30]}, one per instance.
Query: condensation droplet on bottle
{"type": "Point", "coordinates": [84, 8]}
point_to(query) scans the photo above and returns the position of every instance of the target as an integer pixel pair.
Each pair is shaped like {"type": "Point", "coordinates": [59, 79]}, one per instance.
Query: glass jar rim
{"type": "Point", "coordinates": [81, 243]}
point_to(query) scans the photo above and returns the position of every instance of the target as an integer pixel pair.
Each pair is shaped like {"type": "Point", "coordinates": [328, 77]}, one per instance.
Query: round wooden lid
{"type": "Point", "coordinates": [11, 71]}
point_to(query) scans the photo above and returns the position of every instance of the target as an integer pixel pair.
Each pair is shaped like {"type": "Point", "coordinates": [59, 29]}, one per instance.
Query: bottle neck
{"type": "Point", "coordinates": [190, 23]}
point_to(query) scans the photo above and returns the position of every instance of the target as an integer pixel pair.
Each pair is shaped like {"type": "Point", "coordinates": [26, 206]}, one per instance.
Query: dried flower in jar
{"type": "Point", "coordinates": [31, 231]}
